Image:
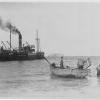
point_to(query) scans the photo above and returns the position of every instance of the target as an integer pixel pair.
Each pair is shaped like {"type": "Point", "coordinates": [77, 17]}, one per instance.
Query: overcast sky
{"type": "Point", "coordinates": [71, 29]}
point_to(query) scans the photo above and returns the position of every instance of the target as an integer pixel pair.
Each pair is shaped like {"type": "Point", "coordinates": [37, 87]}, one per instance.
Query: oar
{"type": "Point", "coordinates": [47, 60]}
{"type": "Point", "coordinates": [87, 67]}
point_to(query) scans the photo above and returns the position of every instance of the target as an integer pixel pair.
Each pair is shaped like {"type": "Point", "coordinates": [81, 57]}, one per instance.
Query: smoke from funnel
{"type": "Point", "coordinates": [9, 27]}
{"type": "Point", "coordinates": [2, 25]}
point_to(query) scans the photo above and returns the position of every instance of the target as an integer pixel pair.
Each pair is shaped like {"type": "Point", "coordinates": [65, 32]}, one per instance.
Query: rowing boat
{"type": "Point", "coordinates": [68, 72]}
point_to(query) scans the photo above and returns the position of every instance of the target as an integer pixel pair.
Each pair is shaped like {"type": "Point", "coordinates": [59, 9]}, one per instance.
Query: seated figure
{"type": "Point", "coordinates": [67, 66]}
{"type": "Point", "coordinates": [53, 64]}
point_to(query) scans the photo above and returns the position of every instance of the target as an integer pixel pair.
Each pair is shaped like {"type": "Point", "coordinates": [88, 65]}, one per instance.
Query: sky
{"type": "Point", "coordinates": [71, 29]}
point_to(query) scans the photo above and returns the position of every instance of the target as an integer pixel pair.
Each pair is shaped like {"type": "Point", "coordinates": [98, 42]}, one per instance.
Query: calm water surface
{"type": "Point", "coordinates": [32, 79]}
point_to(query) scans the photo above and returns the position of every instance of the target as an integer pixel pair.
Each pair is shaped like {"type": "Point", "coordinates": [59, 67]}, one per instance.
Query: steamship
{"type": "Point", "coordinates": [23, 52]}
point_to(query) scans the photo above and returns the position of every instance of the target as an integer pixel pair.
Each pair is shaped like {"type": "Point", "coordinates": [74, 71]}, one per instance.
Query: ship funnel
{"type": "Point", "coordinates": [20, 42]}
{"type": "Point", "coordinates": [15, 30]}
{"type": "Point", "coordinates": [20, 38]}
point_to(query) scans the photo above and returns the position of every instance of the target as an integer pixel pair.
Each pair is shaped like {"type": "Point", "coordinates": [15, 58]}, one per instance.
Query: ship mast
{"type": "Point", "coordinates": [37, 42]}
{"type": "Point", "coordinates": [10, 38]}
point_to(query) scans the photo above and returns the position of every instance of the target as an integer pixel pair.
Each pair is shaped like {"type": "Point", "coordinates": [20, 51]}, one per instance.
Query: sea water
{"type": "Point", "coordinates": [32, 79]}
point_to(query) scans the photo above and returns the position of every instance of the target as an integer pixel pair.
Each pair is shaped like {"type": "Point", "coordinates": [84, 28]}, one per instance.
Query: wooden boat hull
{"type": "Point", "coordinates": [68, 72]}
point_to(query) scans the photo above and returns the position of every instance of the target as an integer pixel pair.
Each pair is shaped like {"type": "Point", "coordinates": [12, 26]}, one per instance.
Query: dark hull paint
{"type": "Point", "coordinates": [20, 57]}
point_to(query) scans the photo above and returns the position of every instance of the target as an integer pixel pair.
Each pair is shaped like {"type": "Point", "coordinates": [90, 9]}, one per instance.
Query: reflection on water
{"type": "Point", "coordinates": [32, 79]}
{"type": "Point", "coordinates": [71, 82]}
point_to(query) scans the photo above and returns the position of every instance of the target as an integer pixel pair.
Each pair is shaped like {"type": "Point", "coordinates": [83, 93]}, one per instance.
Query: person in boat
{"type": "Point", "coordinates": [84, 63]}
{"type": "Point", "coordinates": [61, 63]}
{"type": "Point", "coordinates": [87, 63]}
{"type": "Point", "coordinates": [98, 67]}
{"type": "Point", "coordinates": [67, 66]}
{"type": "Point", "coordinates": [80, 63]}
{"type": "Point", "coordinates": [53, 64]}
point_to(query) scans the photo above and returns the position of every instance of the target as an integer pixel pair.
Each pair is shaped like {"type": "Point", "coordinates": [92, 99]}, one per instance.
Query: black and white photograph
{"type": "Point", "coordinates": [50, 50]}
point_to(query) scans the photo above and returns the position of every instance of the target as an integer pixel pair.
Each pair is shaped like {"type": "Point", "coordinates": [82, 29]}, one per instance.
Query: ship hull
{"type": "Point", "coordinates": [20, 57]}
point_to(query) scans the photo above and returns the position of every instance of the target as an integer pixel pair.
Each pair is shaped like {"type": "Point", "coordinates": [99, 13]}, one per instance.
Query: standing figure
{"type": "Point", "coordinates": [98, 70]}
{"type": "Point", "coordinates": [61, 63]}
{"type": "Point", "coordinates": [80, 63]}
